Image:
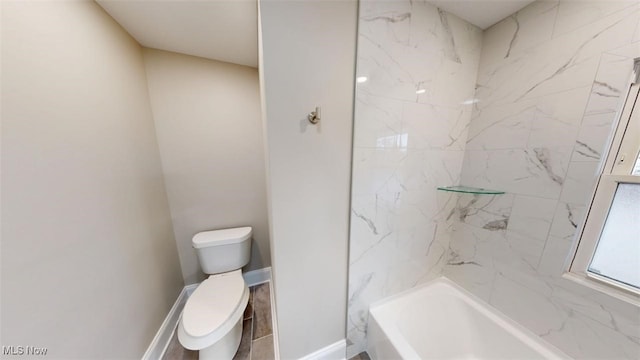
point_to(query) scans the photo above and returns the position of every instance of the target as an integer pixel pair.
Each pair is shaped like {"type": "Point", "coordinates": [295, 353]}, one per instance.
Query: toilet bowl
{"type": "Point", "coordinates": [214, 313]}
{"type": "Point", "coordinates": [211, 321]}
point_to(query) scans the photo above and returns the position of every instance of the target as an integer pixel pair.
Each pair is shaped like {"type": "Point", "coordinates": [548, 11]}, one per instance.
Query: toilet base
{"type": "Point", "coordinates": [226, 347]}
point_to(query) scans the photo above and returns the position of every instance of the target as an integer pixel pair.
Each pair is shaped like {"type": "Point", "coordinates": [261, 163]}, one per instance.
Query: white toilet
{"type": "Point", "coordinates": [211, 321]}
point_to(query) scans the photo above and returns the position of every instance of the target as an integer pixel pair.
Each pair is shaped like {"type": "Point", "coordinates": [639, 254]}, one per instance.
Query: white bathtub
{"type": "Point", "coordinates": [440, 320]}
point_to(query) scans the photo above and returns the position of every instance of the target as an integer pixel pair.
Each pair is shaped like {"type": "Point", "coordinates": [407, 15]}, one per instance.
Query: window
{"type": "Point", "coordinates": [608, 251]}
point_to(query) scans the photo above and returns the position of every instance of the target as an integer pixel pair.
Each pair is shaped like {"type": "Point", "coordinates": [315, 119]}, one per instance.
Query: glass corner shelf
{"type": "Point", "coordinates": [470, 190]}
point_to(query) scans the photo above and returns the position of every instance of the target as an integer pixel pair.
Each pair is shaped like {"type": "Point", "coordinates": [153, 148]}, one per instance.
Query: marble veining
{"type": "Point", "coordinates": [532, 72]}
{"type": "Point", "coordinates": [368, 221]}
{"type": "Point", "coordinates": [538, 131]}
{"type": "Point", "coordinates": [450, 48]}
{"type": "Point", "coordinates": [520, 32]}
{"type": "Point", "coordinates": [585, 150]}
{"type": "Point", "coordinates": [515, 35]}
{"type": "Point", "coordinates": [392, 18]}
{"type": "Point", "coordinates": [411, 124]}
{"type": "Point", "coordinates": [542, 155]}
{"type": "Point", "coordinates": [490, 212]}
{"type": "Point", "coordinates": [573, 15]}
{"type": "Point", "coordinates": [534, 125]}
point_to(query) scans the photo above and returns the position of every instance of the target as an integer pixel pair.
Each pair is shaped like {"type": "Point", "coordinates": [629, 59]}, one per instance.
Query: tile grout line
{"type": "Point", "coordinates": [260, 338]}
{"type": "Point", "coordinates": [253, 312]}
{"type": "Point", "coordinates": [255, 319]}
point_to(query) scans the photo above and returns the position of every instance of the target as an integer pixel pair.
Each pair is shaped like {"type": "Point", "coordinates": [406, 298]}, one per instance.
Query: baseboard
{"type": "Point", "coordinates": [274, 321]}
{"type": "Point", "coordinates": [256, 277]}
{"type": "Point", "coordinates": [335, 351]}
{"type": "Point", "coordinates": [190, 289]}
{"type": "Point", "coordinates": [160, 342]}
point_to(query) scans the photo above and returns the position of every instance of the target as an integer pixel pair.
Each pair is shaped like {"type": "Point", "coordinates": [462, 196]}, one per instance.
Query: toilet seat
{"type": "Point", "coordinates": [213, 309]}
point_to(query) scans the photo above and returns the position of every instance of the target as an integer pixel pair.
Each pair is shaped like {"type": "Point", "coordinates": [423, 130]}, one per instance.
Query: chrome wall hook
{"type": "Point", "coordinates": [314, 116]}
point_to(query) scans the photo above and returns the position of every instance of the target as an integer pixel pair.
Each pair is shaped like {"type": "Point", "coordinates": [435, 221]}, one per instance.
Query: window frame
{"type": "Point", "coordinates": [617, 168]}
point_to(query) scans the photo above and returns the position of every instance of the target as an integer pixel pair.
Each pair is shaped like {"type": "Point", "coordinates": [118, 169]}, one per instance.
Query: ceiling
{"type": "Point", "coordinates": [481, 13]}
{"type": "Point", "coordinates": [227, 30]}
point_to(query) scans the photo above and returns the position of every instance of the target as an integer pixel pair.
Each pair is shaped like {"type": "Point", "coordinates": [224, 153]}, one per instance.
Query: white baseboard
{"type": "Point", "coordinates": [274, 321]}
{"type": "Point", "coordinates": [256, 277]}
{"type": "Point", "coordinates": [190, 289]}
{"type": "Point", "coordinates": [160, 342]}
{"type": "Point", "coordinates": [335, 351]}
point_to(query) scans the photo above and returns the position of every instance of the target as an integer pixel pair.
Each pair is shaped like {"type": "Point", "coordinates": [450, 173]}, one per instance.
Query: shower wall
{"type": "Point", "coordinates": [550, 81]}
{"type": "Point", "coordinates": [416, 71]}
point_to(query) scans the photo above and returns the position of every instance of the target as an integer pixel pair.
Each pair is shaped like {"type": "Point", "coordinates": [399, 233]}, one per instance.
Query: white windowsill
{"type": "Point", "coordinates": [623, 295]}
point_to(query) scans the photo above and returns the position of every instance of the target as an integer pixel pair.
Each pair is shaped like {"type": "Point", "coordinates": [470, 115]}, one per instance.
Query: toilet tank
{"type": "Point", "coordinates": [223, 250]}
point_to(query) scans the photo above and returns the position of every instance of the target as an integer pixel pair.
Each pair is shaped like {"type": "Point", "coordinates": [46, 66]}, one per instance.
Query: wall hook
{"type": "Point", "coordinates": [314, 116]}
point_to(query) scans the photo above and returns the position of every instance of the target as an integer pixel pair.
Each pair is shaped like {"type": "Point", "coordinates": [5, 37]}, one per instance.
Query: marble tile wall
{"type": "Point", "coordinates": [411, 122]}
{"type": "Point", "coordinates": [550, 81]}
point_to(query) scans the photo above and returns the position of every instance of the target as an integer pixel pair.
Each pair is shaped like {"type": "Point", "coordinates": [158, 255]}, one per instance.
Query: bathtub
{"type": "Point", "coordinates": [440, 320]}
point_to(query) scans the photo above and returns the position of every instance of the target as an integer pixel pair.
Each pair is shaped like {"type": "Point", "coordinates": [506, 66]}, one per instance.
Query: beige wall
{"type": "Point", "coordinates": [308, 59]}
{"type": "Point", "coordinates": [89, 263]}
{"type": "Point", "coordinates": [207, 118]}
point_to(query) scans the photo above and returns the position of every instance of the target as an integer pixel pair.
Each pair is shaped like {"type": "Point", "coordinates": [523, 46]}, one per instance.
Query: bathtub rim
{"type": "Point", "coordinates": [519, 331]}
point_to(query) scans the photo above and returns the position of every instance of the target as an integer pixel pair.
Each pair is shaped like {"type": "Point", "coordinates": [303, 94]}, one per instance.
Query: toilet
{"type": "Point", "coordinates": [211, 321]}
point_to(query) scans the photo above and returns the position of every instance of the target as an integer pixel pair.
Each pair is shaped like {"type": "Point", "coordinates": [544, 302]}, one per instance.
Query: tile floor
{"type": "Point", "coordinates": [362, 356]}
{"type": "Point", "coordinates": [257, 334]}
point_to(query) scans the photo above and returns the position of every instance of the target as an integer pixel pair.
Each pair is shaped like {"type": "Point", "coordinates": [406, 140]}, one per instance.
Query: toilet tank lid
{"type": "Point", "coordinates": [221, 237]}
